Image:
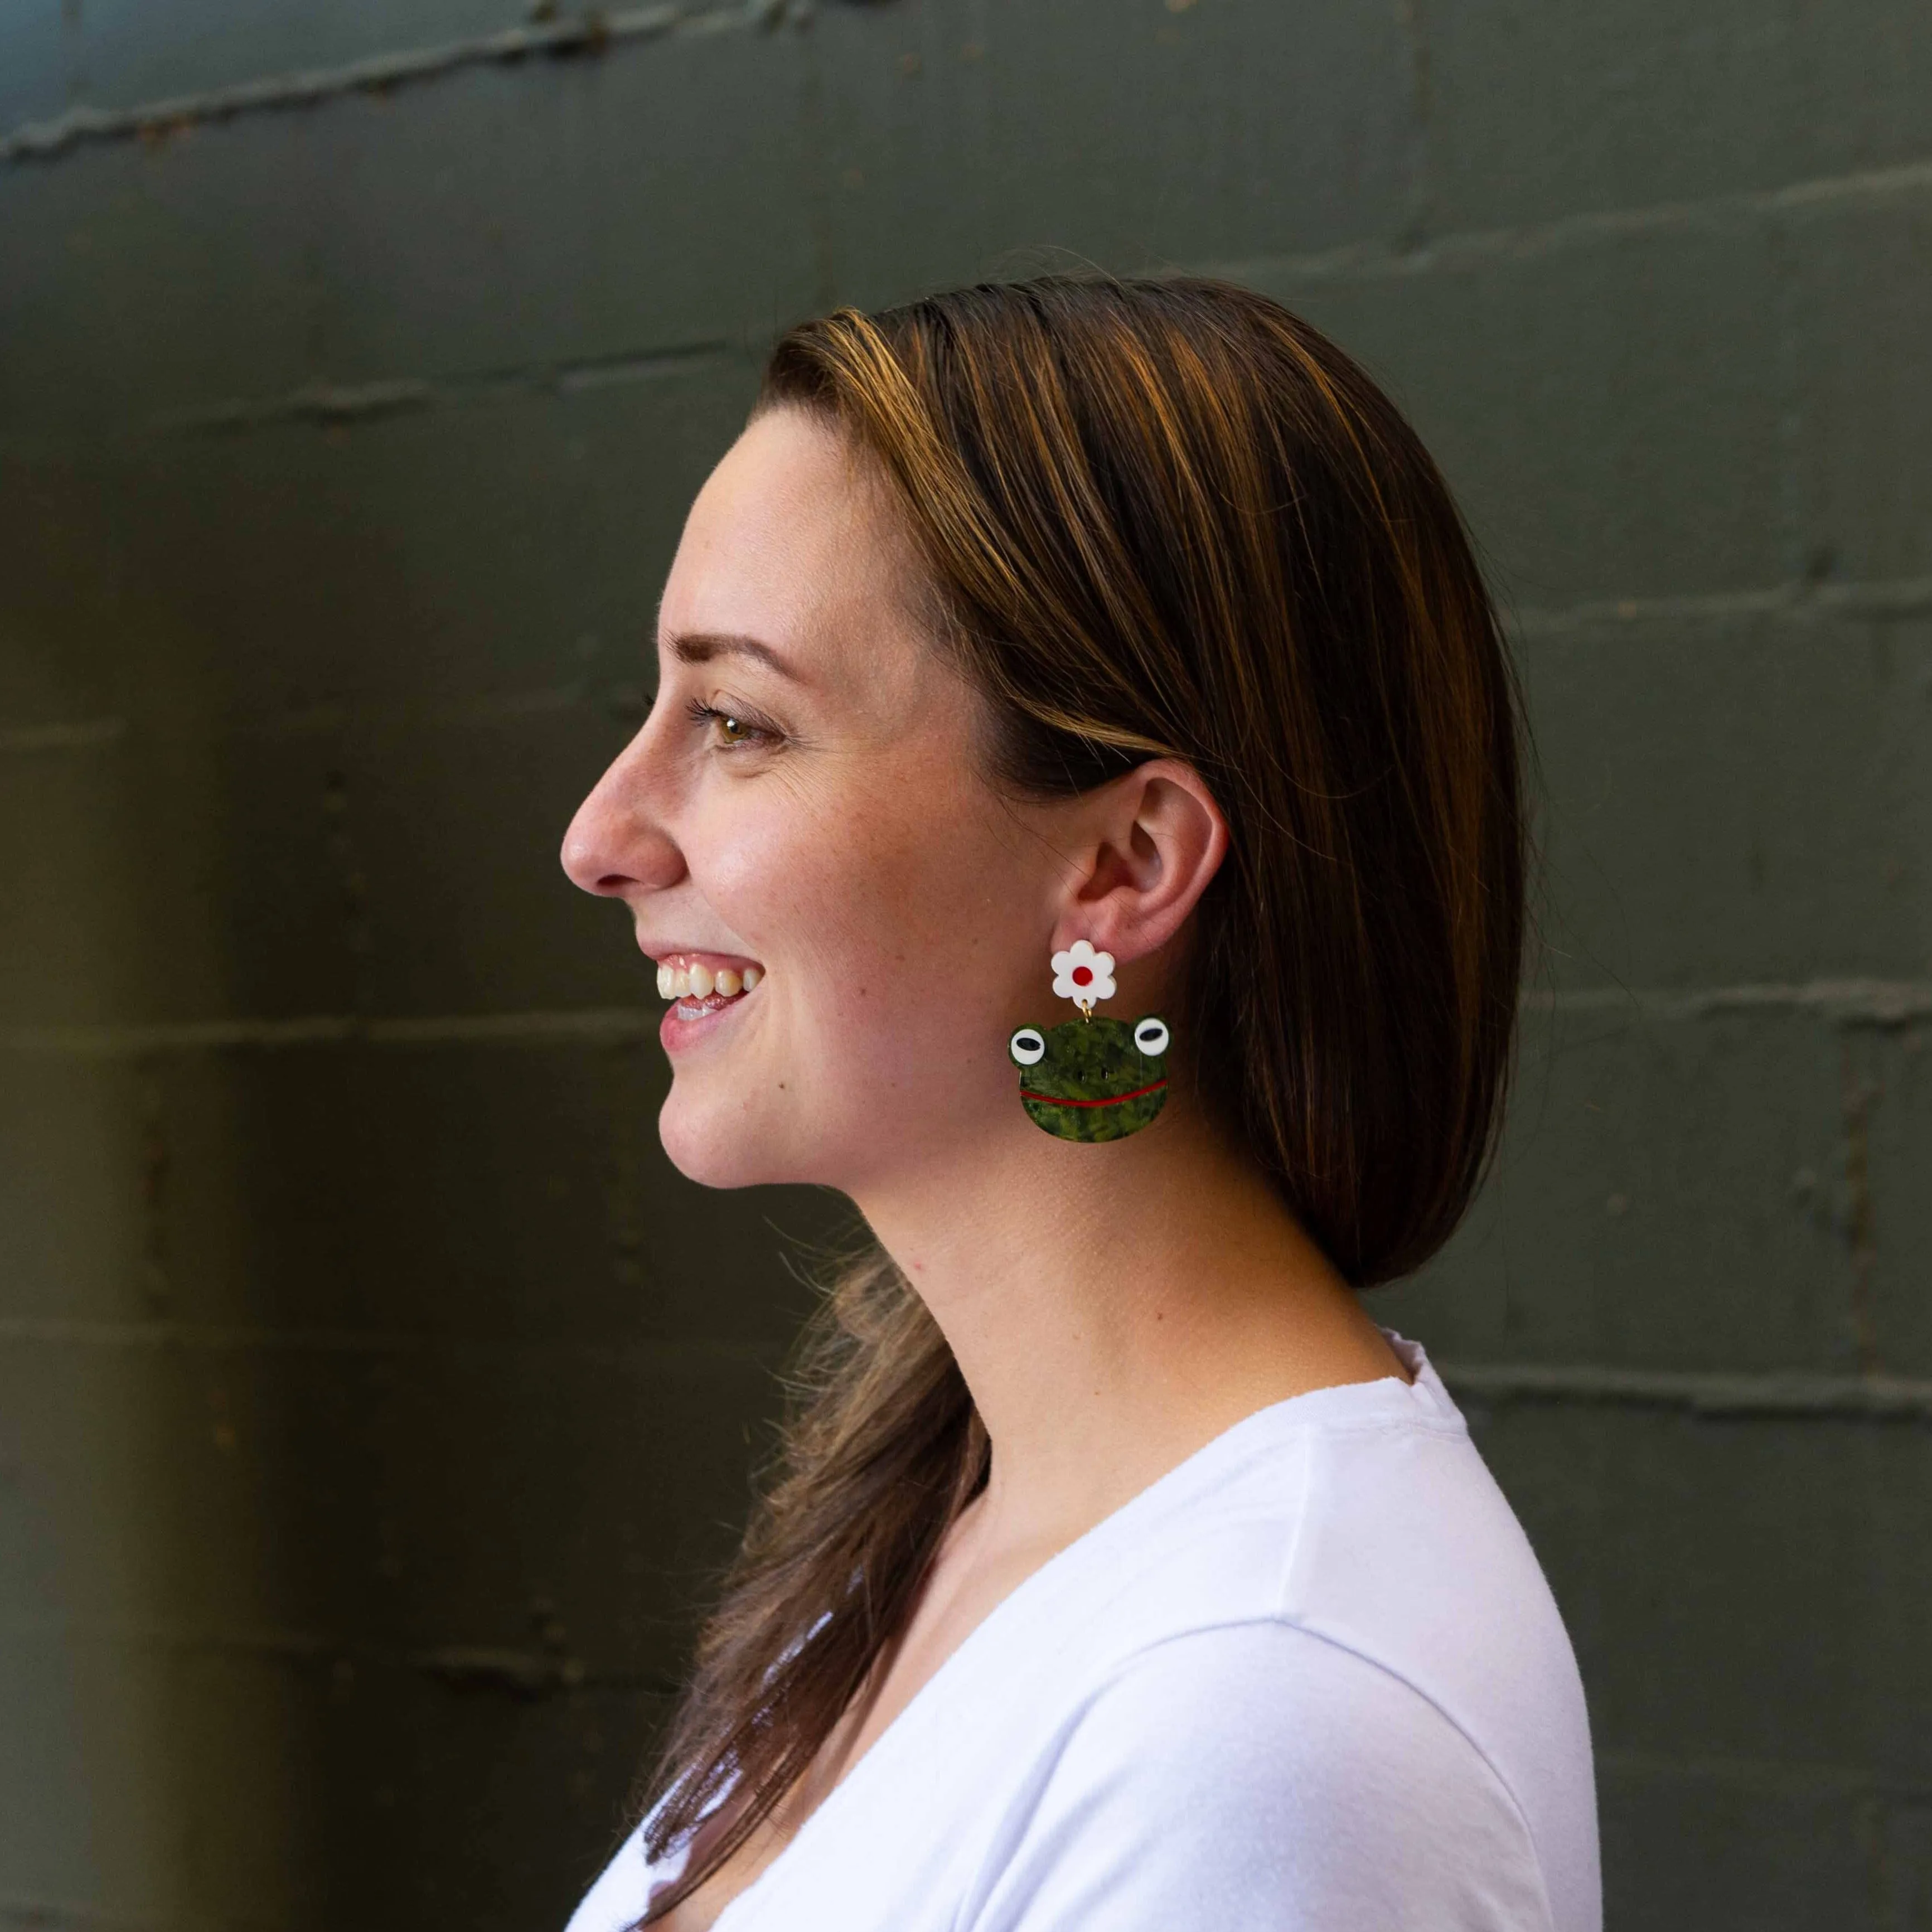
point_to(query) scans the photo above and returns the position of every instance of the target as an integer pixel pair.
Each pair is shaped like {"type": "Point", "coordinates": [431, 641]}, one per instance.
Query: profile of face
{"type": "Point", "coordinates": [804, 830]}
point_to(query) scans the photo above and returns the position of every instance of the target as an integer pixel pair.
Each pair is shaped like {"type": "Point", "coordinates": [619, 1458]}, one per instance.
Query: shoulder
{"type": "Point", "coordinates": [1255, 1774]}
{"type": "Point", "coordinates": [1275, 1725]}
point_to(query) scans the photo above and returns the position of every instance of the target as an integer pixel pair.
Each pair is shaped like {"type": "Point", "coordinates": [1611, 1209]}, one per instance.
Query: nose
{"type": "Point", "coordinates": [617, 843]}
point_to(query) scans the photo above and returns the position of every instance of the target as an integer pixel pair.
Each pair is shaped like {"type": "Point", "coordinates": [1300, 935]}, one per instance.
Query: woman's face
{"type": "Point", "coordinates": [803, 814]}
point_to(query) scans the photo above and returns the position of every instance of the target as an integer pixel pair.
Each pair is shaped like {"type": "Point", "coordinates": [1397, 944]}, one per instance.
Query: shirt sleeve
{"type": "Point", "coordinates": [1257, 1778]}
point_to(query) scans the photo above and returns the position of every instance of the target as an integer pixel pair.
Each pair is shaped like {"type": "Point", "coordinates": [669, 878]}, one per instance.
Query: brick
{"type": "Point", "coordinates": [457, 828]}
{"type": "Point", "coordinates": [63, 629]}
{"type": "Point", "coordinates": [1609, 411]}
{"type": "Point", "coordinates": [49, 58]}
{"type": "Point", "coordinates": [163, 876]}
{"type": "Point", "coordinates": [83, 1175]}
{"type": "Point", "coordinates": [533, 1789]}
{"type": "Point", "coordinates": [34, 64]}
{"type": "Point", "coordinates": [156, 1845]}
{"type": "Point", "coordinates": [255, 841]}
{"type": "Point", "coordinates": [346, 1767]}
{"type": "Point", "coordinates": [506, 542]}
{"type": "Point", "coordinates": [1741, 1847]}
{"type": "Point", "coordinates": [1738, 1590]}
{"type": "Point", "coordinates": [1732, 800]}
{"type": "Point", "coordinates": [425, 1501]}
{"type": "Point", "coordinates": [1537, 112]}
{"type": "Point", "coordinates": [46, 1849]}
{"type": "Point", "coordinates": [504, 217]}
{"type": "Point", "coordinates": [1862, 305]}
{"type": "Point", "coordinates": [1680, 1193]}
{"type": "Point", "coordinates": [964, 140]}
{"type": "Point", "coordinates": [116, 1831]}
{"type": "Point", "coordinates": [512, 1191]}
{"type": "Point", "coordinates": [1888, 1108]}
{"type": "Point", "coordinates": [1905, 1862]}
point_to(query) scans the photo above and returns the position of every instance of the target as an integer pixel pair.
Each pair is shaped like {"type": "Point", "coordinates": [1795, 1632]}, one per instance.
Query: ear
{"type": "Point", "coordinates": [1149, 842]}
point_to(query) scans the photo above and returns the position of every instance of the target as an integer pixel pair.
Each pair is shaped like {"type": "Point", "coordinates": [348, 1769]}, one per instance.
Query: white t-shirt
{"type": "Point", "coordinates": [1312, 1677]}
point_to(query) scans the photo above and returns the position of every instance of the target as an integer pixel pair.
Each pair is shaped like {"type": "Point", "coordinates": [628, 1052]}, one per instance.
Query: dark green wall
{"type": "Point", "coordinates": [372, 1394]}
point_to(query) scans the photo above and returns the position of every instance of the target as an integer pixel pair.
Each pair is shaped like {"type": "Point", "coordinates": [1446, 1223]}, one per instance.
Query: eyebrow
{"type": "Point", "coordinates": [701, 646]}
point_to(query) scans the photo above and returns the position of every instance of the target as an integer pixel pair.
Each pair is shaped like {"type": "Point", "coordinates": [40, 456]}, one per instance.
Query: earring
{"type": "Point", "coordinates": [1088, 1079]}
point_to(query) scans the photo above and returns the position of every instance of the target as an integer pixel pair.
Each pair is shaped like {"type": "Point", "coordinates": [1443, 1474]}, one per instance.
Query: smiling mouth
{"type": "Point", "coordinates": [703, 982]}
{"type": "Point", "coordinates": [1106, 1100]}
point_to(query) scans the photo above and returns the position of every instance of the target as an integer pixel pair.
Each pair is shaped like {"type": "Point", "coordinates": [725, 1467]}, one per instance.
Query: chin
{"type": "Point", "coordinates": [719, 1142]}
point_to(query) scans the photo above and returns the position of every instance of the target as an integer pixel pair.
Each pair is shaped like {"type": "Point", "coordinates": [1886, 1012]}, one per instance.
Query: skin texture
{"type": "Point", "coordinates": [1114, 1308]}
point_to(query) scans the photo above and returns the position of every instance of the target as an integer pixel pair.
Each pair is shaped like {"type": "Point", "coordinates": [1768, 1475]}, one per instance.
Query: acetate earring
{"type": "Point", "coordinates": [1090, 1079]}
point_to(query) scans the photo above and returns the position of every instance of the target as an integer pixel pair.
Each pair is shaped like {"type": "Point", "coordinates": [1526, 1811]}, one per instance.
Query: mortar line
{"type": "Point", "coordinates": [591, 34]}
{"type": "Point", "coordinates": [614, 1025]}
{"type": "Point", "coordinates": [336, 405]}
{"type": "Point", "coordinates": [1766, 1771]}
{"type": "Point", "coordinates": [171, 1335]}
{"type": "Point", "coordinates": [1377, 260]}
{"type": "Point", "coordinates": [508, 1667]}
{"type": "Point", "coordinates": [1845, 1002]}
{"type": "Point", "coordinates": [1744, 1395]}
{"type": "Point", "coordinates": [1798, 600]}
{"type": "Point", "coordinates": [18, 1913]}
{"type": "Point", "coordinates": [1802, 602]}
{"type": "Point", "coordinates": [84, 734]}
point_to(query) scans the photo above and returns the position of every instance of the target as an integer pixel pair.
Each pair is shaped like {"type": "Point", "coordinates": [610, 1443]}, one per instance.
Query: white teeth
{"type": "Point", "coordinates": [699, 982]}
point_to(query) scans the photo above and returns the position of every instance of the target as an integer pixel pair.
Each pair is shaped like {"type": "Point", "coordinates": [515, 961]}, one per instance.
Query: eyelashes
{"type": "Point", "coordinates": [732, 728]}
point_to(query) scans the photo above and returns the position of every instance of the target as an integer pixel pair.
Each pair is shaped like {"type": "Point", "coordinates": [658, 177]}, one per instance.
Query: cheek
{"type": "Point", "coordinates": [892, 937]}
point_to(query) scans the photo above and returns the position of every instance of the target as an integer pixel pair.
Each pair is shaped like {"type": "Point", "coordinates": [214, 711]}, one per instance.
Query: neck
{"type": "Point", "coordinates": [1114, 1308]}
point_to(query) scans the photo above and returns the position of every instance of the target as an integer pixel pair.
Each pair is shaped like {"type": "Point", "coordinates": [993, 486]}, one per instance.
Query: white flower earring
{"type": "Point", "coordinates": [1083, 976]}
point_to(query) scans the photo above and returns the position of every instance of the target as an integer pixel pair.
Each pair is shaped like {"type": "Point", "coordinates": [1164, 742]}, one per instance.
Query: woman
{"type": "Point", "coordinates": [1037, 650]}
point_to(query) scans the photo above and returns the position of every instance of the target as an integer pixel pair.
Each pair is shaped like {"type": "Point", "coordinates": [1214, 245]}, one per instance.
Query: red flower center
{"type": "Point", "coordinates": [1083, 976]}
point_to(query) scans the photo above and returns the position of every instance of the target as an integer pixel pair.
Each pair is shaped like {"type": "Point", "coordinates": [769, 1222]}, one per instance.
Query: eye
{"type": "Point", "coordinates": [1150, 1036]}
{"type": "Point", "coordinates": [1027, 1046]}
{"type": "Point", "coordinates": [728, 730]}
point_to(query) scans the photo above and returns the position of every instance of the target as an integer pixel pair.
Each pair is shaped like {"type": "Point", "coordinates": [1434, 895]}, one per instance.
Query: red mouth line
{"type": "Point", "coordinates": [1111, 1100]}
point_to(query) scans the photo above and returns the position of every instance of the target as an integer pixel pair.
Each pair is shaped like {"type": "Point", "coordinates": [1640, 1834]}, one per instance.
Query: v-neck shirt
{"type": "Point", "coordinates": [1312, 1678]}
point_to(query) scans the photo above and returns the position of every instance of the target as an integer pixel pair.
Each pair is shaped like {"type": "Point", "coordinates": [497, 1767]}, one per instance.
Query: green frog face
{"type": "Point", "coordinates": [1092, 1079]}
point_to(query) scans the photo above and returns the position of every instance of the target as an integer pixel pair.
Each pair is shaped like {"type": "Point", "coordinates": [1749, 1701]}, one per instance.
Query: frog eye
{"type": "Point", "coordinates": [1028, 1046]}
{"type": "Point", "coordinates": [1150, 1036]}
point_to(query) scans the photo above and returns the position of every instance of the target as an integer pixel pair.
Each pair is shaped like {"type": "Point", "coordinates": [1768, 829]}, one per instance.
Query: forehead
{"type": "Point", "coordinates": [794, 537]}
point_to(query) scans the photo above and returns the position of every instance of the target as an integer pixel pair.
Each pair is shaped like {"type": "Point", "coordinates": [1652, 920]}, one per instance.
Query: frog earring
{"type": "Point", "coordinates": [1089, 1079]}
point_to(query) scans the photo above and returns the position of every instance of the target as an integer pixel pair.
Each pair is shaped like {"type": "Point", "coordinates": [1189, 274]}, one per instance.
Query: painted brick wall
{"type": "Point", "coordinates": [373, 1397]}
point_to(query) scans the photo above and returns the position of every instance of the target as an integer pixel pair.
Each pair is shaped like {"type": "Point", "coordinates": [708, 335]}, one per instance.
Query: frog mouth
{"type": "Point", "coordinates": [1106, 1100]}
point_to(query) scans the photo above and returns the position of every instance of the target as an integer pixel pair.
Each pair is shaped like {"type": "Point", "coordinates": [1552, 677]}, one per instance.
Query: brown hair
{"type": "Point", "coordinates": [1160, 517]}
